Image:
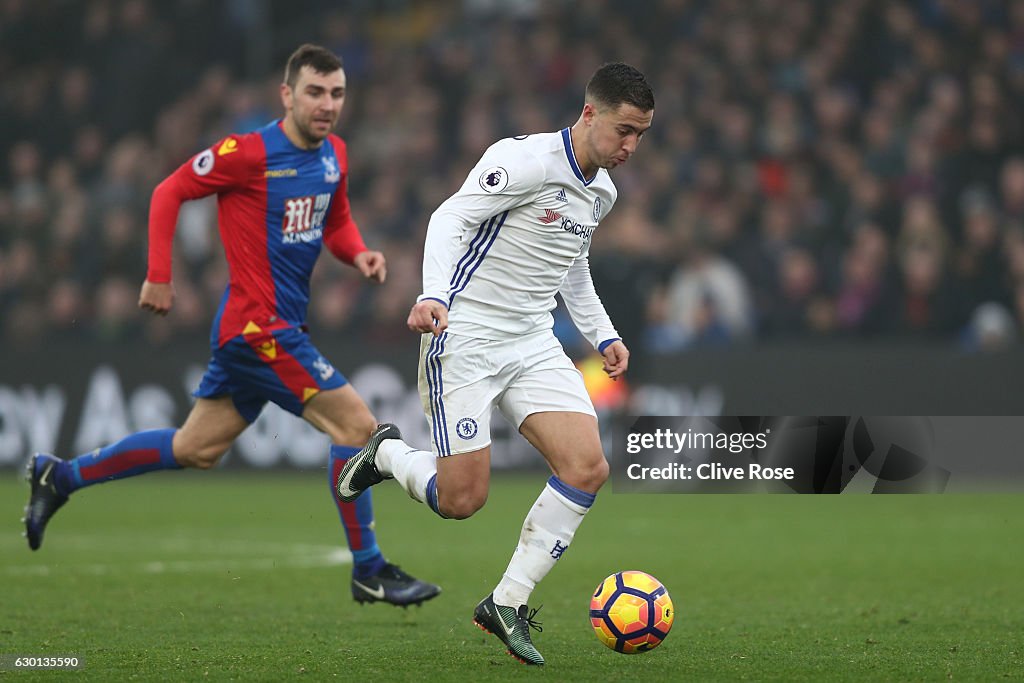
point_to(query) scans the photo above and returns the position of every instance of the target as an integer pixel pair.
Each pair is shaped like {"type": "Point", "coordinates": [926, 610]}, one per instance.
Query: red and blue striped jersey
{"type": "Point", "coordinates": [276, 205]}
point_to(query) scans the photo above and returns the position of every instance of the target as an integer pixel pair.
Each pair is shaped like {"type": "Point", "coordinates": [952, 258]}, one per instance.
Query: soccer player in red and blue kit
{"type": "Point", "coordinates": [281, 194]}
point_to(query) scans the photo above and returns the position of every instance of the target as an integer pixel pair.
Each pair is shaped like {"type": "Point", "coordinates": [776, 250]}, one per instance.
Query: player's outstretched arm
{"type": "Point", "coordinates": [616, 359]}
{"type": "Point", "coordinates": [429, 315]}
{"type": "Point", "coordinates": [372, 265]}
{"type": "Point", "coordinates": [156, 297]}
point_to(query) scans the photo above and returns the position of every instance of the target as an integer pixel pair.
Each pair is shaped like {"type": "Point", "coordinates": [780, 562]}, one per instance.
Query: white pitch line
{"type": "Point", "coordinates": [295, 557]}
{"type": "Point", "coordinates": [180, 544]}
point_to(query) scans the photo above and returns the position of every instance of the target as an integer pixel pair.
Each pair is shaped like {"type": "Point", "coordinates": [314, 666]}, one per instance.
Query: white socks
{"type": "Point", "coordinates": [411, 468]}
{"type": "Point", "coordinates": [547, 531]}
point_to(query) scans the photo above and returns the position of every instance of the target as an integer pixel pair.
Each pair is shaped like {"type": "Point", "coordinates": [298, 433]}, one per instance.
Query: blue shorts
{"type": "Point", "coordinates": [281, 366]}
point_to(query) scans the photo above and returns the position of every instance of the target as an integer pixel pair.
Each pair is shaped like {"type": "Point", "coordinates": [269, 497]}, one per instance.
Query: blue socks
{"type": "Point", "coordinates": [135, 454]}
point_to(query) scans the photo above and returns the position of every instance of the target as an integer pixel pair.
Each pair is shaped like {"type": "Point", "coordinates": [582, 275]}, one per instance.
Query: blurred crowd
{"type": "Point", "coordinates": [817, 169]}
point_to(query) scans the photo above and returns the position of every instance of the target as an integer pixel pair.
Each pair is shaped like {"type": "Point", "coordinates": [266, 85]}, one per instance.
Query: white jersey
{"type": "Point", "coordinates": [517, 232]}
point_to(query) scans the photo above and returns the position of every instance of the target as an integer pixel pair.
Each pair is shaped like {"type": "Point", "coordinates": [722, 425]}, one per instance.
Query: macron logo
{"type": "Point", "coordinates": [550, 217]}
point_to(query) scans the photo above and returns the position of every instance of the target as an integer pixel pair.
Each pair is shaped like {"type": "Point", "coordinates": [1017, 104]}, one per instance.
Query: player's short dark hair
{"type": "Point", "coordinates": [617, 83]}
{"type": "Point", "coordinates": [318, 58]}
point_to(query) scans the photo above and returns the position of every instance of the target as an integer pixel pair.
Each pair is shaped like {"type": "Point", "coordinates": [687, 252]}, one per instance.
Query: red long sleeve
{"type": "Point", "coordinates": [163, 219]}
{"type": "Point", "coordinates": [217, 169]}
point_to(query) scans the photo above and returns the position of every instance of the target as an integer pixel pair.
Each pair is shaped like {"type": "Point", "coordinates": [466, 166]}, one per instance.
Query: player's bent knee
{"type": "Point", "coordinates": [461, 505]}
{"type": "Point", "coordinates": [589, 476]}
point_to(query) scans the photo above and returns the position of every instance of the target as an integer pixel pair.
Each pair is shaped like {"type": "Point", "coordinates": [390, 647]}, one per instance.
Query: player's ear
{"type": "Point", "coordinates": [589, 112]}
{"type": "Point", "coordinates": [286, 96]}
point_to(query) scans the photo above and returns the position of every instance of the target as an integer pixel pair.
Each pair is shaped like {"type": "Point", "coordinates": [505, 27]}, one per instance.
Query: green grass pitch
{"type": "Point", "coordinates": [220, 576]}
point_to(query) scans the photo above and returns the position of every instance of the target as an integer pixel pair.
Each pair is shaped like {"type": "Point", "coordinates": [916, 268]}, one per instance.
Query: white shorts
{"type": "Point", "coordinates": [461, 379]}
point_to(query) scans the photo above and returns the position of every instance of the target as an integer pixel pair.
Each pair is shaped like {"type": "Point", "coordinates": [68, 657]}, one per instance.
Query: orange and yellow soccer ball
{"type": "Point", "coordinates": [631, 612]}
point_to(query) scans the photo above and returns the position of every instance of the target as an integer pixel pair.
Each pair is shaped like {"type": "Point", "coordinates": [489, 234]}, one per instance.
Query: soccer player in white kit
{"type": "Point", "coordinates": [497, 251]}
